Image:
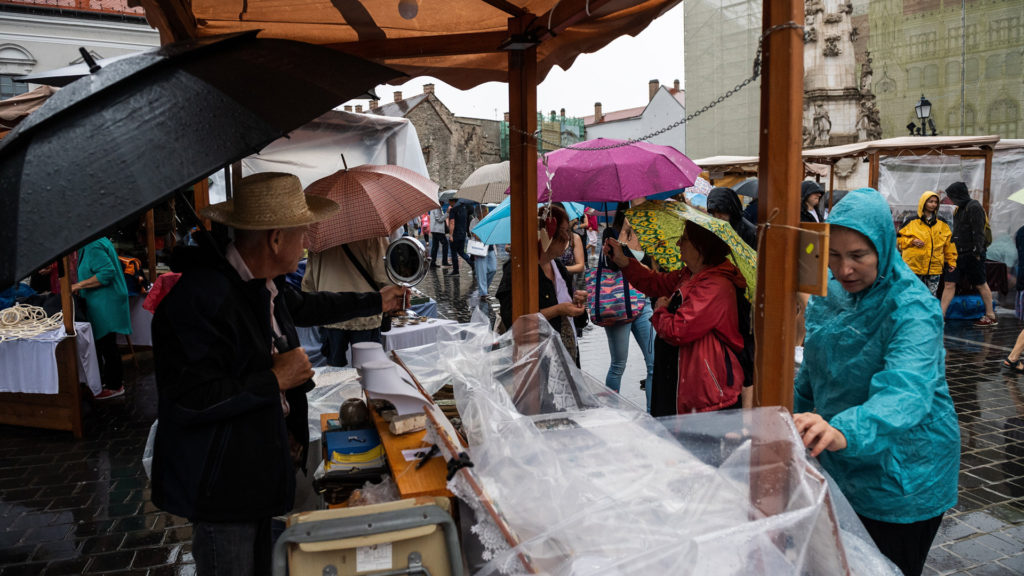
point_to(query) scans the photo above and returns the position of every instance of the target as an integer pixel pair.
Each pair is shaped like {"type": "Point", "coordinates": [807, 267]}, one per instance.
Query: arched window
{"type": "Point", "coordinates": [14, 61]}
{"type": "Point", "coordinates": [952, 73]}
{"type": "Point", "coordinates": [953, 120]}
{"type": "Point", "coordinates": [1012, 64]}
{"type": "Point", "coordinates": [931, 76]}
{"type": "Point", "coordinates": [914, 78]}
{"type": "Point", "coordinates": [1002, 118]}
{"type": "Point", "coordinates": [994, 67]}
{"type": "Point", "coordinates": [972, 69]}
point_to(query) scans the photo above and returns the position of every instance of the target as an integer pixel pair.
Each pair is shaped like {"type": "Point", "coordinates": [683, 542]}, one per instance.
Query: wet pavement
{"type": "Point", "coordinates": [83, 506]}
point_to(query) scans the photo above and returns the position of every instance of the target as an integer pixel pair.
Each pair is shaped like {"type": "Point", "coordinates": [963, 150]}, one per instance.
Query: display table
{"type": "Point", "coordinates": [29, 365]}
{"type": "Point", "coordinates": [428, 480]}
{"type": "Point", "coordinates": [401, 337]}
{"type": "Point", "coordinates": [142, 321]}
{"type": "Point", "coordinates": [428, 308]}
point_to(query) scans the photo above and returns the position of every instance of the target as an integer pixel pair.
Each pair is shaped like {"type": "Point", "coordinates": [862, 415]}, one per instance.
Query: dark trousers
{"type": "Point", "coordinates": [459, 251]}
{"type": "Point", "coordinates": [109, 357]}
{"type": "Point", "coordinates": [336, 342]}
{"type": "Point", "coordinates": [439, 238]}
{"type": "Point", "coordinates": [238, 548]}
{"type": "Point", "coordinates": [906, 545]}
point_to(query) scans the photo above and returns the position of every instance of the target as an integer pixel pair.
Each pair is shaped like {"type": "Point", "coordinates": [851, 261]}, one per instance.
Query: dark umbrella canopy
{"type": "Point", "coordinates": [747, 188]}
{"type": "Point", "coordinates": [125, 138]}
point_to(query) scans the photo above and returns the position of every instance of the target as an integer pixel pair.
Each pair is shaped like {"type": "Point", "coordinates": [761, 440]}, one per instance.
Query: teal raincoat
{"type": "Point", "coordinates": [108, 304]}
{"type": "Point", "coordinates": [875, 368]}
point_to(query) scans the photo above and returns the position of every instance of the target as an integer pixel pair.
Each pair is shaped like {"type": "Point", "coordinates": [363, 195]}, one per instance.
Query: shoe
{"type": "Point", "coordinates": [1014, 366]}
{"type": "Point", "coordinates": [643, 384]}
{"type": "Point", "coordinates": [107, 393]}
{"type": "Point", "coordinates": [452, 273]}
{"type": "Point", "coordinates": [434, 266]}
{"type": "Point", "coordinates": [985, 321]}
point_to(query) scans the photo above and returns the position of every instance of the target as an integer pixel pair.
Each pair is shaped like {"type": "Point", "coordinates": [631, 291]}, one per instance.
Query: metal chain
{"type": "Point", "coordinates": [728, 94]}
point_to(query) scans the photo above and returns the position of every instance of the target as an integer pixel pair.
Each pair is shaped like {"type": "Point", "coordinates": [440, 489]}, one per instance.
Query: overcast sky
{"type": "Point", "coordinates": [616, 76]}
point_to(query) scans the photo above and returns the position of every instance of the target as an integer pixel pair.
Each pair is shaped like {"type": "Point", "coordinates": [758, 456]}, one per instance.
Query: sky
{"type": "Point", "coordinates": [616, 76]}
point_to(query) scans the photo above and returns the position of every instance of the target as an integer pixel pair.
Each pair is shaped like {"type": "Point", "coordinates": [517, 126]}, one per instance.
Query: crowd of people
{"type": "Point", "coordinates": [870, 398]}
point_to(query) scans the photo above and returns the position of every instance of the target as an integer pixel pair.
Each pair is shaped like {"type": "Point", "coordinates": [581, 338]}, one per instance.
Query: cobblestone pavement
{"type": "Point", "coordinates": [83, 506]}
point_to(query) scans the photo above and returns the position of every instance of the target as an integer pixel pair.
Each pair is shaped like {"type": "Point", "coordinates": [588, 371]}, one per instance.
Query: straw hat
{"type": "Point", "coordinates": [270, 200]}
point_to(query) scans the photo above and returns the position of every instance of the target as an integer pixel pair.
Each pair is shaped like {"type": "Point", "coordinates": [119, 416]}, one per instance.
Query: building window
{"type": "Point", "coordinates": [952, 74]}
{"type": "Point", "coordinates": [953, 37]}
{"type": "Point", "coordinates": [10, 87]}
{"type": "Point", "coordinates": [931, 76]}
{"type": "Point", "coordinates": [914, 78]}
{"type": "Point", "coordinates": [1004, 31]}
{"type": "Point", "coordinates": [953, 120]}
{"type": "Point", "coordinates": [972, 70]}
{"type": "Point", "coordinates": [1002, 118]}
{"type": "Point", "coordinates": [994, 67]}
{"type": "Point", "coordinates": [1012, 64]}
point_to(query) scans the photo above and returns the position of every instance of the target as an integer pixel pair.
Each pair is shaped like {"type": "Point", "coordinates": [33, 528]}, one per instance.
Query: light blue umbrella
{"type": "Point", "coordinates": [496, 227]}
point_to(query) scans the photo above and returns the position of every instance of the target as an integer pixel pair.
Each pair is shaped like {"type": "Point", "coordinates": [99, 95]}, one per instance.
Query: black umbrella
{"type": "Point", "coordinates": [126, 137]}
{"type": "Point", "coordinates": [747, 188]}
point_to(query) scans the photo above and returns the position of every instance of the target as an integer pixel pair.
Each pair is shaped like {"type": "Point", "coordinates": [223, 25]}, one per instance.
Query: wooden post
{"type": "Point", "coordinates": [67, 305]}
{"type": "Point", "coordinates": [151, 244]}
{"type": "Point", "coordinates": [874, 167]}
{"type": "Point", "coordinates": [831, 185]}
{"type": "Point", "coordinates": [987, 190]}
{"type": "Point", "coordinates": [201, 197]}
{"type": "Point", "coordinates": [522, 100]}
{"type": "Point", "coordinates": [781, 170]}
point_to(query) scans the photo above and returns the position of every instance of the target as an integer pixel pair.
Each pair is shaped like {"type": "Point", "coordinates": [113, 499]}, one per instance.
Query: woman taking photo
{"type": "Point", "coordinates": [563, 308]}
{"type": "Point", "coordinates": [871, 397]}
{"type": "Point", "coordinates": [697, 367]}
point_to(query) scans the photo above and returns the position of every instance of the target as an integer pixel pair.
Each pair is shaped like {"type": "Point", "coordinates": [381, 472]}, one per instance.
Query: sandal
{"type": "Point", "coordinates": [1014, 366]}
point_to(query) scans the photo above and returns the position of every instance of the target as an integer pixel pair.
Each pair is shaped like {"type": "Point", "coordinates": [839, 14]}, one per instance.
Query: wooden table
{"type": "Point", "coordinates": [412, 482]}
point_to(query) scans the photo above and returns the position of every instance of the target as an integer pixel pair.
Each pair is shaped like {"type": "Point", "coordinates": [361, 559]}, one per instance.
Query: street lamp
{"type": "Point", "coordinates": [924, 112]}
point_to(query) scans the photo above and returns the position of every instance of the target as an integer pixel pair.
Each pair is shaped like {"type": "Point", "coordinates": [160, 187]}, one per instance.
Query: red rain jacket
{"type": "Point", "coordinates": [704, 328]}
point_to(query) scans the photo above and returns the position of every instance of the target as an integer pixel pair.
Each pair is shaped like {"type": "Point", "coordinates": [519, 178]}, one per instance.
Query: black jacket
{"type": "Point", "coordinates": [968, 223]}
{"type": "Point", "coordinates": [222, 450]}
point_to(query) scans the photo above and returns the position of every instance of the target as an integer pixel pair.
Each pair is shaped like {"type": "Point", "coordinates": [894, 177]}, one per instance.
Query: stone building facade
{"type": "Point", "coordinates": [453, 146]}
{"type": "Point", "coordinates": [900, 49]}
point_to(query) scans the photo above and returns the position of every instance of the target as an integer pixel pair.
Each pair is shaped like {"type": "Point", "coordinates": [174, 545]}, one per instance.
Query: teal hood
{"type": "Point", "coordinates": [865, 211]}
{"type": "Point", "coordinates": [875, 368]}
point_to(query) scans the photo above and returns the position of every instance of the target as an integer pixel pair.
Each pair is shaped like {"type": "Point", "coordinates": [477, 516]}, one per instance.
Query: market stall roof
{"type": "Point", "coordinates": [1010, 143]}
{"type": "Point", "coordinates": [749, 164]}
{"type": "Point", "coordinates": [833, 153]}
{"type": "Point", "coordinates": [461, 42]}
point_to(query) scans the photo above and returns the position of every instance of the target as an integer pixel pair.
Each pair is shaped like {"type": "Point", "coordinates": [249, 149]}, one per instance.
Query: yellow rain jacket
{"type": "Point", "coordinates": [938, 247]}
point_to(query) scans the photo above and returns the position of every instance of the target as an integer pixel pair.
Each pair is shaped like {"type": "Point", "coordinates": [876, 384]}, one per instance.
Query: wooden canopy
{"type": "Point", "coordinates": [461, 42]}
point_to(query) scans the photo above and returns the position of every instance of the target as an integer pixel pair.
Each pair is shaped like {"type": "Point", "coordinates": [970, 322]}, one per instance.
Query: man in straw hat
{"type": "Point", "coordinates": [232, 378]}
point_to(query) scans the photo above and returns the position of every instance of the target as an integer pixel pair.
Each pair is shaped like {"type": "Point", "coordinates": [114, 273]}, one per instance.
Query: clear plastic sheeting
{"type": "Point", "coordinates": [333, 386]}
{"type": "Point", "coordinates": [570, 479]}
{"type": "Point", "coordinates": [903, 179]}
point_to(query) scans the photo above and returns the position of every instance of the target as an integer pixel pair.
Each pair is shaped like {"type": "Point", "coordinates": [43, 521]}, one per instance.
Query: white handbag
{"type": "Point", "coordinates": [476, 248]}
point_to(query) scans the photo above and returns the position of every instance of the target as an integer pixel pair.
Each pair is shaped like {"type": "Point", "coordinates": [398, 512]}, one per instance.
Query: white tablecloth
{"type": "Point", "coordinates": [410, 336]}
{"type": "Point", "coordinates": [30, 366]}
{"type": "Point", "coordinates": [142, 321]}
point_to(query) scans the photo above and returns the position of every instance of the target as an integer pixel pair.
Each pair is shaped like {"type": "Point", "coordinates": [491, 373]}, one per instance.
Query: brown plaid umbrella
{"type": "Point", "coordinates": [374, 200]}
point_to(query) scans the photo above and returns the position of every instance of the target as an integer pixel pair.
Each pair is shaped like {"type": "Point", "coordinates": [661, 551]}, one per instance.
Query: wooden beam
{"type": "Point", "coordinates": [172, 18]}
{"type": "Point", "coordinates": [522, 101]}
{"type": "Point", "coordinates": [506, 7]}
{"type": "Point", "coordinates": [151, 244]}
{"type": "Point", "coordinates": [781, 169]}
{"type": "Point", "coordinates": [569, 12]}
{"type": "Point", "coordinates": [67, 305]}
{"type": "Point", "coordinates": [423, 46]}
{"type": "Point", "coordinates": [874, 167]}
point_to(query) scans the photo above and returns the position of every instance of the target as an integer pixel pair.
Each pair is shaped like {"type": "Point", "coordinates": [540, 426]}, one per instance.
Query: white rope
{"type": "Point", "coordinates": [21, 321]}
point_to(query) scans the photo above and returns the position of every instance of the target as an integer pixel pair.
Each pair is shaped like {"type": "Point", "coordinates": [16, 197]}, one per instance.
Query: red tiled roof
{"type": "Point", "coordinates": [679, 95]}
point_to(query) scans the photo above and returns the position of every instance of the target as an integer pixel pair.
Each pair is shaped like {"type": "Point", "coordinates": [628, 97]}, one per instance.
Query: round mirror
{"type": "Point", "coordinates": [406, 261]}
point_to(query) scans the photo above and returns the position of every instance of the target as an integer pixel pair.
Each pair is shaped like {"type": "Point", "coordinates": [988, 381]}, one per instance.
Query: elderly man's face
{"type": "Point", "coordinates": [291, 243]}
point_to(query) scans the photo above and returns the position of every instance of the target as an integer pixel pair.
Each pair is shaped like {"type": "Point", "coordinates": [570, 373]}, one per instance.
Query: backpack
{"type": "Point", "coordinates": [133, 277]}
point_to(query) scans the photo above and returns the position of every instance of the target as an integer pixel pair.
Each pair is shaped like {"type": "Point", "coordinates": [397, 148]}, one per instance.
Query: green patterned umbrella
{"type": "Point", "coordinates": [659, 224]}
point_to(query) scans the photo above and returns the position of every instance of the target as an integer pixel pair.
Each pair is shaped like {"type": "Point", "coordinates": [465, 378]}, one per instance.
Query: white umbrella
{"type": "Point", "coordinates": [487, 184]}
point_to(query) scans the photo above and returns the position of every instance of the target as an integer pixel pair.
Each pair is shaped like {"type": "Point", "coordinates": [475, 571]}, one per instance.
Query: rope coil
{"type": "Point", "coordinates": [22, 322]}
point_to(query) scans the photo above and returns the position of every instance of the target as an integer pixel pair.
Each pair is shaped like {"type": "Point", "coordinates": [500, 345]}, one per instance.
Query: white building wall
{"type": "Point", "coordinates": [662, 111]}
{"type": "Point", "coordinates": [52, 42]}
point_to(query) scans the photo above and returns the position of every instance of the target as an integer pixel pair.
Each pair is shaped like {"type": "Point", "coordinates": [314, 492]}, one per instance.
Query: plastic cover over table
{"type": "Point", "coordinates": [586, 483]}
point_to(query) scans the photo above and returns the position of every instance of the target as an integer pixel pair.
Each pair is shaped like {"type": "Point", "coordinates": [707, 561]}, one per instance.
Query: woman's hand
{"type": "Point", "coordinates": [570, 309]}
{"type": "Point", "coordinates": [579, 298]}
{"type": "Point", "coordinates": [661, 302]}
{"type": "Point", "coordinates": [817, 434]}
{"type": "Point", "coordinates": [613, 249]}
{"type": "Point", "coordinates": [917, 243]}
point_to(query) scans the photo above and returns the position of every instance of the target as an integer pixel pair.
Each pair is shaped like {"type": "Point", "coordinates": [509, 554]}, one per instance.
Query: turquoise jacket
{"type": "Point", "coordinates": [108, 304]}
{"type": "Point", "coordinates": [875, 368]}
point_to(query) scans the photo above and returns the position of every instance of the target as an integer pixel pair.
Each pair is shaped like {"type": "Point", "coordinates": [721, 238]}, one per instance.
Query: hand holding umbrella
{"type": "Point", "coordinates": [614, 250]}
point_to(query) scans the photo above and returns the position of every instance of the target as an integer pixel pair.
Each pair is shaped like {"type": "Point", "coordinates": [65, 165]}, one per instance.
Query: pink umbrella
{"type": "Point", "coordinates": [617, 171]}
{"type": "Point", "coordinates": [374, 200]}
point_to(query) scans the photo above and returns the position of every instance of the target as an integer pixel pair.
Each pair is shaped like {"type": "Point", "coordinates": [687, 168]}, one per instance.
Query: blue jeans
{"type": "Point", "coordinates": [486, 267]}
{"type": "Point", "coordinates": [242, 548]}
{"type": "Point", "coordinates": [618, 346]}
